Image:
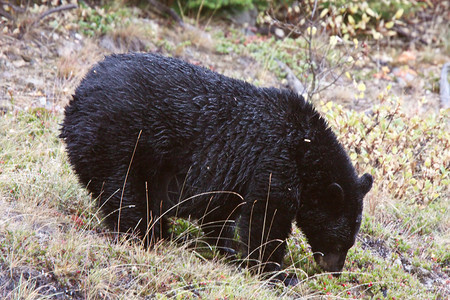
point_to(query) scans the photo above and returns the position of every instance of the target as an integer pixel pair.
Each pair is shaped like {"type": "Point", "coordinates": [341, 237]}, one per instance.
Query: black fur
{"type": "Point", "coordinates": [153, 125]}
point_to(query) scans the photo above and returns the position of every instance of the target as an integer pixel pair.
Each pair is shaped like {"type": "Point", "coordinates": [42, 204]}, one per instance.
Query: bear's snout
{"type": "Point", "coordinates": [331, 262]}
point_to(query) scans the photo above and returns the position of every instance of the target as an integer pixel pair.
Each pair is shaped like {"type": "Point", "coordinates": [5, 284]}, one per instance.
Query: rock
{"type": "Point", "coordinates": [279, 33]}
{"type": "Point", "coordinates": [445, 86]}
{"type": "Point", "coordinates": [244, 17]}
{"type": "Point", "coordinates": [33, 83]}
{"type": "Point", "coordinates": [19, 63]}
{"type": "Point", "coordinates": [405, 76]}
{"type": "Point", "coordinates": [42, 101]}
{"type": "Point", "coordinates": [398, 263]}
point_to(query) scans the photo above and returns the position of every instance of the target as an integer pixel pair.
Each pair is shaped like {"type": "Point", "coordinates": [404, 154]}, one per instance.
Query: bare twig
{"type": "Point", "coordinates": [309, 40]}
{"type": "Point", "coordinates": [55, 10]}
{"type": "Point", "coordinates": [14, 7]}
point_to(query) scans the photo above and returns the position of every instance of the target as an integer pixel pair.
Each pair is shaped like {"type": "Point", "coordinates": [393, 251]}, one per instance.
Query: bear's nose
{"type": "Point", "coordinates": [331, 262]}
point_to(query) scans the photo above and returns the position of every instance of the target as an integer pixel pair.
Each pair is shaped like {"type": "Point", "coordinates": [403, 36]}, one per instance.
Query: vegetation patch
{"type": "Point", "coordinates": [52, 243]}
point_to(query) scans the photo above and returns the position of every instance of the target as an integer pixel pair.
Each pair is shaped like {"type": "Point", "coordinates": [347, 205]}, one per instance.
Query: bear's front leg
{"type": "Point", "coordinates": [264, 228]}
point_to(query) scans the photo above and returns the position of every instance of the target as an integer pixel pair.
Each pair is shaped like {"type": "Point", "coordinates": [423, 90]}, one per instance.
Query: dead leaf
{"type": "Point", "coordinates": [404, 72]}
{"type": "Point", "coordinates": [384, 74]}
{"type": "Point", "coordinates": [406, 57]}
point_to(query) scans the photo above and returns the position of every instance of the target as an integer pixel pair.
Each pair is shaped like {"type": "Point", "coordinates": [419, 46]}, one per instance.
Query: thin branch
{"type": "Point", "coordinates": [55, 10]}
{"type": "Point", "coordinates": [14, 7]}
{"type": "Point", "coordinates": [312, 89]}
{"type": "Point", "coordinates": [314, 10]}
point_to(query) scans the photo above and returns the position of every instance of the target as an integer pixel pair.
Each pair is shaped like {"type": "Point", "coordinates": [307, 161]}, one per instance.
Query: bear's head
{"type": "Point", "coordinates": [330, 219]}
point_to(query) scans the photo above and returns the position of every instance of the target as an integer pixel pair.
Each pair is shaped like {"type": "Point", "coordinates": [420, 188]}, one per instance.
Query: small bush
{"type": "Point", "coordinates": [408, 155]}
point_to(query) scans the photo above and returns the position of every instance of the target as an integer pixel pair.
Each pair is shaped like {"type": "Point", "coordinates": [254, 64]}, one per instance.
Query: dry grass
{"type": "Point", "coordinates": [53, 245]}
{"type": "Point", "coordinates": [75, 60]}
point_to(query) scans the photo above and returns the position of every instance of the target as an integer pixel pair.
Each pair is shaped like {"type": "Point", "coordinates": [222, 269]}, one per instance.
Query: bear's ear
{"type": "Point", "coordinates": [365, 183]}
{"type": "Point", "coordinates": [335, 195]}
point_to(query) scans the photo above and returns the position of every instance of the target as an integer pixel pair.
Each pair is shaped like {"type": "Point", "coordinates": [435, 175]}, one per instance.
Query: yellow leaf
{"type": "Point", "coordinates": [353, 156]}
{"type": "Point", "coordinates": [323, 13]}
{"type": "Point", "coordinates": [355, 41]}
{"type": "Point", "coordinates": [389, 25]}
{"type": "Point", "coordinates": [399, 13]}
{"type": "Point", "coordinates": [370, 12]}
{"type": "Point", "coordinates": [351, 20]}
{"type": "Point", "coordinates": [347, 74]}
{"type": "Point", "coordinates": [333, 40]}
{"type": "Point", "coordinates": [376, 35]}
{"type": "Point", "coordinates": [391, 33]}
{"type": "Point", "coordinates": [362, 25]}
{"type": "Point", "coordinates": [311, 31]}
{"type": "Point", "coordinates": [365, 18]}
{"type": "Point", "coordinates": [362, 87]}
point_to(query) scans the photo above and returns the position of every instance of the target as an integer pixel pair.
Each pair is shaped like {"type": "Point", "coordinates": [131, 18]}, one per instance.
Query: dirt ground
{"type": "Point", "coordinates": [40, 66]}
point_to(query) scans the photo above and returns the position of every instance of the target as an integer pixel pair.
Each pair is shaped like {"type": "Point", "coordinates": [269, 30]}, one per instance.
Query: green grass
{"type": "Point", "coordinates": [51, 240]}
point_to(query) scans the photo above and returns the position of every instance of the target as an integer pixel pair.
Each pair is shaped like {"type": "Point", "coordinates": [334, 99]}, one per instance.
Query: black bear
{"type": "Point", "coordinates": [153, 137]}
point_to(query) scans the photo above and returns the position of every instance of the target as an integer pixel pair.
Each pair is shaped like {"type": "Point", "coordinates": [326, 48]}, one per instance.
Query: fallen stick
{"type": "Point", "coordinates": [54, 10]}
{"type": "Point", "coordinates": [444, 86]}
{"type": "Point", "coordinates": [293, 82]}
{"type": "Point", "coordinates": [404, 33]}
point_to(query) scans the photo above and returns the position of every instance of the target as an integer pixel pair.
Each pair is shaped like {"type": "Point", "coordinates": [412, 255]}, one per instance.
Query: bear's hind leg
{"type": "Point", "coordinates": [138, 210]}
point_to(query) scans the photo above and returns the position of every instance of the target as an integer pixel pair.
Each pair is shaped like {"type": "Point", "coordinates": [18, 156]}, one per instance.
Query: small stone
{"type": "Point", "coordinates": [19, 63]}
{"type": "Point", "coordinates": [42, 101]}
{"type": "Point", "coordinates": [279, 33]}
